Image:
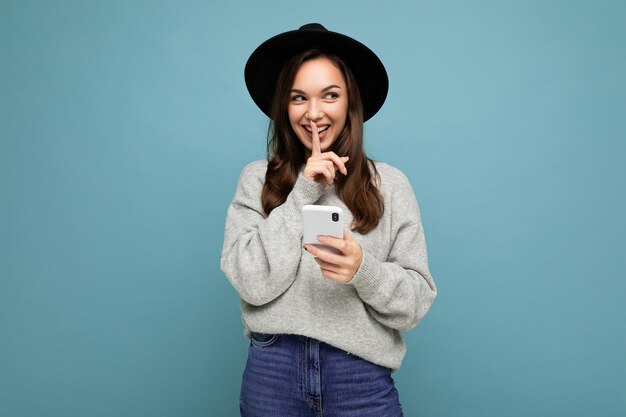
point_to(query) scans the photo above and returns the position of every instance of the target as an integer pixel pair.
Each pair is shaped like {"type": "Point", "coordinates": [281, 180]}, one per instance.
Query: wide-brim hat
{"type": "Point", "coordinates": [266, 62]}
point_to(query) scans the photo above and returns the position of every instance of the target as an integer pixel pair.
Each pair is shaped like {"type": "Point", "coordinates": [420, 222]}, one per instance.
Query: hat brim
{"type": "Point", "coordinates": [266, 62]}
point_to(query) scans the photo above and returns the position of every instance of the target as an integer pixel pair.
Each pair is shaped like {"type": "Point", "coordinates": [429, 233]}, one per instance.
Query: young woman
{"type": "Point", "coordinates": [325, 328]}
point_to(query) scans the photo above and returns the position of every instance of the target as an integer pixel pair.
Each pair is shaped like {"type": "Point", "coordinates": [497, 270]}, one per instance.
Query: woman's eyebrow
{"type": "Point", "coordinates": [330, 87]}
{"type": "Point", "coordinates": [295, 90]}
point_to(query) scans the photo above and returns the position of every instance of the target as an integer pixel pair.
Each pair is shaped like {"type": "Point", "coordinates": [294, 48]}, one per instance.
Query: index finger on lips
{"type": "Point", "coordinates": [316, 148]}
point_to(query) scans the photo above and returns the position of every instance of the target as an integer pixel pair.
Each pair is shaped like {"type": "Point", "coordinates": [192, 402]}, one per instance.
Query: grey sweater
{"type": "Point", "coordinates": [282, 289]}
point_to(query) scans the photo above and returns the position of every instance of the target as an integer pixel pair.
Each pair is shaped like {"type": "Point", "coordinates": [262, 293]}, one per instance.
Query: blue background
{"type": "Point", "coordinates": [124, 126]}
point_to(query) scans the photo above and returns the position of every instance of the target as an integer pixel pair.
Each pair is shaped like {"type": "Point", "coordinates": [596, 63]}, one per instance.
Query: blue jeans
{"type": "Point", "coordinates": [296, 376]}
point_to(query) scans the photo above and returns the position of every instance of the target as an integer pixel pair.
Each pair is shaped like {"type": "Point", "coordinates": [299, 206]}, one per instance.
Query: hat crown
{"type": "Point", "coordinates": [313, 26]}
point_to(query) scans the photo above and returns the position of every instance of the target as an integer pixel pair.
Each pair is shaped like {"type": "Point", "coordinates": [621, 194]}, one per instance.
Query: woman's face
{"type": "Point", "coordinates": [319, 94]}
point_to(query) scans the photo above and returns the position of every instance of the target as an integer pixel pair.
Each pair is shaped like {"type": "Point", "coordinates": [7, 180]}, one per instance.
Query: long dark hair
{"type": "Point", "coordinates": [286, 154]}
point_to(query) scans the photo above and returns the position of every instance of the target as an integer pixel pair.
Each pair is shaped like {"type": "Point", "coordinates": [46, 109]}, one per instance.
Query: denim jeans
{"type": "Point", "coordinates": [296, 376]}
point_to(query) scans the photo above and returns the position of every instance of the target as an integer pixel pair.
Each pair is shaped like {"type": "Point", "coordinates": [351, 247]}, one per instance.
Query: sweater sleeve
{"type": "Point", "coordinates": [399, 291]}
{"type": "Point", "coordinates": [261, 254]}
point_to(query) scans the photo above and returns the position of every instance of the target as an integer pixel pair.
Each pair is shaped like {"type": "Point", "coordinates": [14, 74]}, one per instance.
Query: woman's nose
{"type": "Point", "coordinates": [314, 112]}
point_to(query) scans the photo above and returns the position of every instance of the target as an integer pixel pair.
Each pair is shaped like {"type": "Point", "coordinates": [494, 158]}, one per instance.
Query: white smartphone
{"type": "Point", "coordinates": [321, 220]}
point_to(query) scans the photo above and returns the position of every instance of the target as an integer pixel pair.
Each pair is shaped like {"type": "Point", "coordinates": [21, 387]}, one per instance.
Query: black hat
{"type": "Point", "coordinates": [266, 62]}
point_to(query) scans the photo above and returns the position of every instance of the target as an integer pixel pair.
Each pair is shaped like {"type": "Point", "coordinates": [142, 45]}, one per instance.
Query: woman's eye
{"type": "Point", "coordinates": [332, 96]}
{"type": "Point", "coordinates": [297, 98]}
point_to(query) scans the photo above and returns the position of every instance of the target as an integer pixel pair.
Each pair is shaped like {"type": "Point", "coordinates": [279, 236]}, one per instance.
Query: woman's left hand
{"type": "Point", "coordinates": [339, 267]}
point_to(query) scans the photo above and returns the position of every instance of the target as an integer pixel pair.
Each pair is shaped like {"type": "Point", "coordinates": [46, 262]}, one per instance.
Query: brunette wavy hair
{"type": "Point", "coordinates": [286, 154]}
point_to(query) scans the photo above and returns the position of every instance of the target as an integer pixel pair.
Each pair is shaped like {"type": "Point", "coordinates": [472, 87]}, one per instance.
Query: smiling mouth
{"type": "Point", "coordinates": [319, 129]}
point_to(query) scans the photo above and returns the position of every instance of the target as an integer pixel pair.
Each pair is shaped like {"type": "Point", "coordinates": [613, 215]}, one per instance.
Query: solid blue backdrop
{"type": "Point", "coordinates": [123, 129]}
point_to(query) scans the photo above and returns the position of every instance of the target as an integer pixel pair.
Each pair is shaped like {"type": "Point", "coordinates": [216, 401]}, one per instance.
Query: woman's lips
{"type": "Point", "coordinates": [321, 133]}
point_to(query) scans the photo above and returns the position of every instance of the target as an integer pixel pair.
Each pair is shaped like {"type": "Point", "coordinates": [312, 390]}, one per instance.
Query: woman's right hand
{"type": "Point", "coordinates": [322, 167]}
